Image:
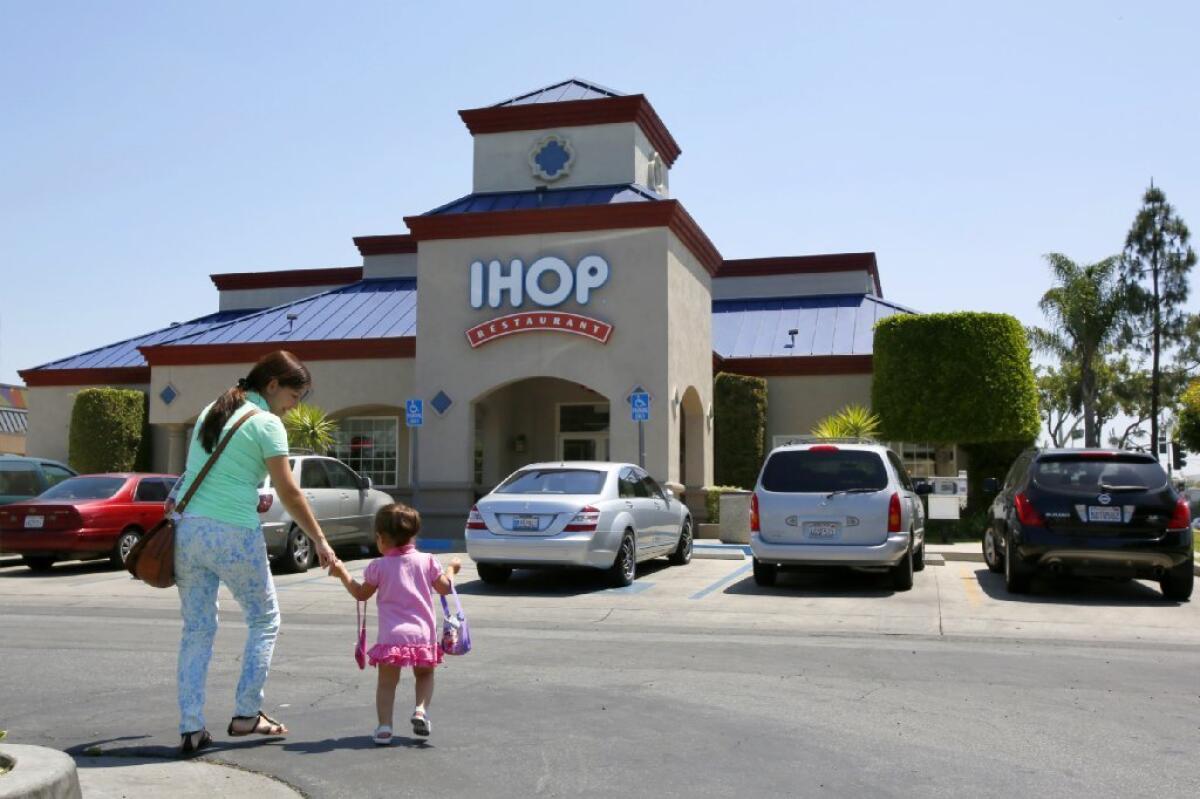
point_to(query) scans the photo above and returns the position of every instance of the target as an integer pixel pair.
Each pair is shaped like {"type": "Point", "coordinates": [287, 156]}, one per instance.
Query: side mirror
{"type": "Point", "coordinates": [991, 485]}
{"type": "Point", "coordinates": [924, 488]}
{"type": "Point", "coordinates": [670, 494]}
{"type": "Point", "coordinates": [364, 483]}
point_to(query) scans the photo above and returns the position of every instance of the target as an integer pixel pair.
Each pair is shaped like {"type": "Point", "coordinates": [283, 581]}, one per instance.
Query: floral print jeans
{"type": "Point", "coordinates": [209, 552]}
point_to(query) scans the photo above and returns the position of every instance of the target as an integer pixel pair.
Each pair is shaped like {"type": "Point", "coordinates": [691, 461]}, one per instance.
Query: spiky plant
{"type": "Point", "coordinates": [853, 421]}
{"type": "Point", "coordinates": [308, 427]}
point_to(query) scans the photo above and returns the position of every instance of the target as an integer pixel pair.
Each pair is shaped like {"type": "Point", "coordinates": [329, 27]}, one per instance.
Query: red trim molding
{"type": "Point", "coordinates": [576, 113]}
{"type": "Point", "coordinates": [796, 365]}
{"type": "Point", "coordinates": [291, 278]}
{"type": "Point", "coordinates": [127, 375]}
{"type": "Point", "coordinates": [661, 213]}
{"type": "Point", "coordinates": [394, 244]}
{"type": "Point", "coordinates": [194, 354]}
{"type": "Point", "coordinates": [804, 265]}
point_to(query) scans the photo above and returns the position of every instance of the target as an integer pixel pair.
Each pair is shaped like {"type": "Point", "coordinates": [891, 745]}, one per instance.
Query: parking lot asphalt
{"type": "Point", "coordinates": [692, 682]}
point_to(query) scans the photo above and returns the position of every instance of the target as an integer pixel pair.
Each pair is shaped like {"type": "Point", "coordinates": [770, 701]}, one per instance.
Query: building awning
{"type": "Point", "coordinates": [532, 199]}
{"type": "Point", "coordinates": [825, 326]}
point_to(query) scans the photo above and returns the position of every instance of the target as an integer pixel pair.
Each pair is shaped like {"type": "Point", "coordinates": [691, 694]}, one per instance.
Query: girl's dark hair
{"type": "Point", "coordinates": [398, 523]}
{"type": "Point", "coordinates": [279, 365]}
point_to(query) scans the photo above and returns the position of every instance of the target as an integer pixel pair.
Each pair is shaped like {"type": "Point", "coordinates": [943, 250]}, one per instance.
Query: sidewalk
{"type": "Point", "coordinates": [152, 778]}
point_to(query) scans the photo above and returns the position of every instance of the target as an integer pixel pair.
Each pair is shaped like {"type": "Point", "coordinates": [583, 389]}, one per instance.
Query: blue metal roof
{"type": "Point", "coordinates": [125, 353]}
{"type": "Point", "coordinates": [569, 89]}
{"type": "Point", "coordinates": [832, 325]}
{"type": "Point", "coordinates": [368, 309]}
{"type": "Point", "coordinates": [546, 198]}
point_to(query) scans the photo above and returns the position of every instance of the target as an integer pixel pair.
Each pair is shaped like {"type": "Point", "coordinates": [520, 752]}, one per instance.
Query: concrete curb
{"type": "Point", "coordinates": [150, 778]}
{"type": "Point", "coordinates": [707, 551]}
{"type": "Point", "coordinates": [39, 773]}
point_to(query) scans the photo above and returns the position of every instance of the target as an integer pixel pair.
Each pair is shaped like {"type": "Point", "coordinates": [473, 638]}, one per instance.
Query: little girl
{"type": "Point", "coordinates": [405, 580]}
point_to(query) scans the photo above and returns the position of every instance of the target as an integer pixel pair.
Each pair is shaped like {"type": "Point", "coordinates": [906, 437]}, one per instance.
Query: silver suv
{"type": "Point", "coordinates": [837, 503]}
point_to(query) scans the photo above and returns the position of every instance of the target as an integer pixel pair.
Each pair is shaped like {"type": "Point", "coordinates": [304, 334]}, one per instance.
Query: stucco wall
{"type": "Point", "coordinates": [604, 154]}
{"type": "Point", "coordinates": [12, 444]}
{"type": "Point", "coordinates": [395, 265]}
{"type": "Point", "coordinates": [268, 298]}
{"type": "Point", "coordinates": [689, 353]}
{"type": "Point", "coordinates": [823, 283]}
{"type": "Point", "coordinates": [50, 419]}
{"type": "Point", "coordinates": [796, 404]}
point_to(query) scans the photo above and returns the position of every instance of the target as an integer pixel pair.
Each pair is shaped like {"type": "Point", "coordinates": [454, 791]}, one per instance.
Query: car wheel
{"type": "Point", "coordinates": [919, 559]}
{"type": "Point", "coordinates": [120, 550]}
{"type": "Point", "coordinates": [1177, 583]}
{"type": "Point", "coordinates": [991, 552]}
{"type": "Point", "coordinates": [624, 567]}
{"type": "Point", "coordinates": [902, 572]}
{"type": "Point", "coordinates": [1016, 578]}
{"type": "Point", "coordinates": [682, 555]}
{"type": "Point", "coordinates": [297, 552]}
{"type": "Point", "coordinates": [38, 563]}
{"type": "Point", "coordinates": [765, 573]}
{"type": "Point", "coordinates": [493, 573]}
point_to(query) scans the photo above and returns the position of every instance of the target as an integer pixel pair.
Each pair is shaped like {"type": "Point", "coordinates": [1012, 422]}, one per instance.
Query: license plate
{"type": "Point", "coordinates": [1100, 513]}
{"type": "Point", "coordinates": [525, 523]}
{"type": "Point", "coordinates": [821, 529]}
{"type": "Point", "coordinates": [34, 522]}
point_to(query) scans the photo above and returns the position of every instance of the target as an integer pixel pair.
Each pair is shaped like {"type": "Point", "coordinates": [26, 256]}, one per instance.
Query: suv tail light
{"type": "Point", "coordinates": [1027, 515]}
{"type": "Point", "coordinates": [265, 501]}
{"type": "Point", "coordinates": [1182, 517]}
{"type": "Point", "coordinates": [8, 518]}
{"type": "Point", "coordinates": [475, 519]}
{"type": "Point", "coordinates": [584, 522]}
{"type": "Point", "coordinates": [755, 526]}
{"type": "Point", "coordinates": [895, 519]}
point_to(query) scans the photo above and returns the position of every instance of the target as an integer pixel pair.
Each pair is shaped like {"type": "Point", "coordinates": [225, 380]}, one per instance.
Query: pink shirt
{"type": "Point", "coordinates": [405, 595]}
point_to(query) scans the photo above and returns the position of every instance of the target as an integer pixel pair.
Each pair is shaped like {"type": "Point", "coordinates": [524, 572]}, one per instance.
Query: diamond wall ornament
{"type": "Point", "coordinates": [168, 394]}
{"type": "Point", "coordinates": [441, 403]}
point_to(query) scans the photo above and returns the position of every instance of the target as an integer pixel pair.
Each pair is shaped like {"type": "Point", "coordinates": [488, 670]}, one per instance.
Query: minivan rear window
{"type": "Point", "coordinates": [815, 471]}
{"type": "Point", "coordinates": [19, 481]}
{"type": "Point", "coordinates": [1090, 474]}
{"type": "Point", "coordinates": [554, 481]}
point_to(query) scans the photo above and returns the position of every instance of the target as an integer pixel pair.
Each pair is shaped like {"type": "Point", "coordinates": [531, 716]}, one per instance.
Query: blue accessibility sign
{"type": "Point", "coordinates": [639, 406]}
{"type": "Point", "coordinates": [414, 412]}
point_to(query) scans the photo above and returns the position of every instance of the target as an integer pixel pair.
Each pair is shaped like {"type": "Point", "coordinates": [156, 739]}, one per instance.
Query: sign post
{"type": "Point", "coordinates": [414, 417]}
{"type": "Point", "coordinates": [639, 411]}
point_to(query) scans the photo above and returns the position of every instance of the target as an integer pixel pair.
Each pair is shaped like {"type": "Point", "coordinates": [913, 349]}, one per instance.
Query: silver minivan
{"type": "Point", "coordinates": [831, 503]}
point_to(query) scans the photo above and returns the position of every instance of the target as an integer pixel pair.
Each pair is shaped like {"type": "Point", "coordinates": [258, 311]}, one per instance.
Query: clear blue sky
{"type": "Point", "coordinates": [144, 146]}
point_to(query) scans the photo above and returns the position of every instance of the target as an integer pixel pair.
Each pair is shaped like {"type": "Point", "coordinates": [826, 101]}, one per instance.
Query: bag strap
{"type": "Point", "coordinates": [457, 602]}
{"type": "Point", "coordinates": [361, 609]}
{"type": "Point", "coordinates": [179, 506]}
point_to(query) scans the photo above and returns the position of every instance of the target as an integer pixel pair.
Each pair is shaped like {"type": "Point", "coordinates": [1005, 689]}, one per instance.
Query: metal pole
{"type": "Point", "coordinates": [642, 444]}
{"type": "Point", "coordinates": [416, 466]}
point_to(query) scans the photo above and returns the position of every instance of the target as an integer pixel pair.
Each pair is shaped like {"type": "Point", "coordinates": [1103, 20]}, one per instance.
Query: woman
{"type": "Point", "coordinates": [219, 539]}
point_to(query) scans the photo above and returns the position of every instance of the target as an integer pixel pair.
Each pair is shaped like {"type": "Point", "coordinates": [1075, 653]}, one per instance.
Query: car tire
{"type": "Point", "coordinates": [682, 555]}
{"type": "Point", "coordinates": [1177, 583]}
{"type": "Point", "coordinates": [991, 553]}
{"type": "Point", "coordinates": [919, 559]}
{"type": "Point", "coordinates": [765, 573]}
{"type": "Point", "coordinates": [624, 567]}
{"type": "Point", "coordinates": [902, 572]}
{"type": "Point", "coordinates": [38, 563]}
{"type": "Point", "coordinates": [1016, 577]}
{"type": "Point", "coordinates": [125, 542]}
{"type": "Point", "coordinates": [493, 573]}
{"type": "Point", "coordinates": [297, 552]}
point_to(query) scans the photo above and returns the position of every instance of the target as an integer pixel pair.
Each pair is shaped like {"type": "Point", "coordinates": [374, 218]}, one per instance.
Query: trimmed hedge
{"type": "Point", "coordinates": [109, 431]}
{"type": "Point", "coordinates": [954, 378]}
{"type": "Point", "coordinates": [1189, 417]}
{"type": "Point", "coordinates": [739, 428]}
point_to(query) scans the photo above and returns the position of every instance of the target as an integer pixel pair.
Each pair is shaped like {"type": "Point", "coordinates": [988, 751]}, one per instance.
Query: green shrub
{"type": "Point", "coordinates": [712, 501]}
{"type": "Point", "coordinates": [853, 421]}
{"type": "Point", "coordinates": [992, 459]}
{"type": "Point", "coordinates": [109, 431]}
{"type": "Point", "coordinates": [739, 428]}
{"type": "Point", "coordinates": [309, 428]}
{"type": "Point", "coordinates": [1189, 417]}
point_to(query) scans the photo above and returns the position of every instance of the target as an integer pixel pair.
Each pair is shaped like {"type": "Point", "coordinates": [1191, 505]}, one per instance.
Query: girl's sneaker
{"type": "Point", "coordinates": [421, 725]}
{"type": "Point", "coordinates": [383, 735]}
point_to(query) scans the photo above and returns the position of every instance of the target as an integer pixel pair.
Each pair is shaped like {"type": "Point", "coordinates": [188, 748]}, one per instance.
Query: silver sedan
{"type": "Point", "coordinates": [607, 516]}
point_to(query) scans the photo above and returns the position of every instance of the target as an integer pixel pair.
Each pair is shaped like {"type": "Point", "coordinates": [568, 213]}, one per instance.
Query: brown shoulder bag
{"type": "Point", "coordinates": [152, 559]}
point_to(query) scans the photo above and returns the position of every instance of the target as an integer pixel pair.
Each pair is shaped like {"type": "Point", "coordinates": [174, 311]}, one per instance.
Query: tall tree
{"type": "Point", "coordinates": [1155, 271]}
{"type": "Point", "coordinates": [1085, 308]}
{"type": "Point", "coordinates": [1058, 402]}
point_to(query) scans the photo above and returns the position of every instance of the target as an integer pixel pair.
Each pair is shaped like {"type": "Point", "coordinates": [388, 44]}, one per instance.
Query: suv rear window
{"type": "Point", "coordinates": [554, 481]}
{"type": "Point", "coordinates": [810, 471]}
{"type": "Point", "coordinates": [1086, 474]}
{"type": "Point", "coordinates": [19, 481]}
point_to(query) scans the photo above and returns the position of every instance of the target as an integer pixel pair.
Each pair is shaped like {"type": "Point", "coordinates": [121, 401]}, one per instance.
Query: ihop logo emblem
{"type": "Point", "coordinates": [547, 282]}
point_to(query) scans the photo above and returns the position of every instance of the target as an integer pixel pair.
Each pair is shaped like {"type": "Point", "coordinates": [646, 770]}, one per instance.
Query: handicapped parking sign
{"type": "Point", "coordinates": [639, 406]}
{"type": "Point", "coordinates": [414, 412]}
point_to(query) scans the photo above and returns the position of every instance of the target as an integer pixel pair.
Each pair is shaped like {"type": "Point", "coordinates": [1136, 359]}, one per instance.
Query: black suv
{"type": "Point", "coordinates": [1108, 513]}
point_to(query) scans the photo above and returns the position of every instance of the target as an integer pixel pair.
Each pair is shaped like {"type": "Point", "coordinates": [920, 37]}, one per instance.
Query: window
{"type": "Point", "coordinates": [628, 485]}
{"type": "Point", "coordinates": [340, 476]}
{"type": "Point", "coordinates": [1081, 475]}
{"type": "Point", "coordinates": [152, 489]}
{"type": "Point", "coordinates": [809, 471]}
{"type": "Point", "coordinates": [21, 481]}
{"type": "Point", "coordinates": [901, 472]}
{"type": "Point", "coordinates": [55, 474]}
{"type": "Point", "coordinates": [370, 446]}
{"type": "Point", "coordinates": [85, 488]}
{"type": "Point", "coordinates": [653, 490]}
{"type": "Point", "coordinates": [313, 474]}
{"type": "Point", "coordinates": [553, 481]}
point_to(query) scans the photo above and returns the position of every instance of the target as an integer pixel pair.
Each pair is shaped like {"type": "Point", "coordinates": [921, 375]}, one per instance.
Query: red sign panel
{"type": "Point", "coordinates": [535, 321]}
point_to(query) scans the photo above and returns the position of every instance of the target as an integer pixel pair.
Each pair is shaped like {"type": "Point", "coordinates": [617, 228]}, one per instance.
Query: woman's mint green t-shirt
{"type": "Point", "coordinates": [230, 491]}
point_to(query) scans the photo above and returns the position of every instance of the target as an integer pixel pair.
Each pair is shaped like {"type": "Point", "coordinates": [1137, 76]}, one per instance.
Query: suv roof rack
{"type": "Point", "coordinates": [834, 440]}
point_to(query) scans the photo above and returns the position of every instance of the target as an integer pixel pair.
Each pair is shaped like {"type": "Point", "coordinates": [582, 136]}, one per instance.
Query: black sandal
{"type": "Point", "coordinates": [188, 748]}
{"type": "Point", "coordinates": [274, 728]}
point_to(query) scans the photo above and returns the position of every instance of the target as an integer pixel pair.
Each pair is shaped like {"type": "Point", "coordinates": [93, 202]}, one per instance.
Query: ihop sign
{"type": "Point", "coordinates": [545, 284]}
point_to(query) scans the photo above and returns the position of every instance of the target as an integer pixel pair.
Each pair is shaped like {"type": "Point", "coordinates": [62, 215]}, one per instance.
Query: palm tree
{"type": "Point", "coordinates": [309, 428]}
{"type": "Point", "coordinates": [853, 421]}
{"type": "Point", "coordinates": [1085, 307]}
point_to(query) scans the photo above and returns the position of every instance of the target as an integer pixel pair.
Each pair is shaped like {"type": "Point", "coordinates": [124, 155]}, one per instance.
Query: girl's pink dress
{"type": "Point", "coordinates": [404, 599]}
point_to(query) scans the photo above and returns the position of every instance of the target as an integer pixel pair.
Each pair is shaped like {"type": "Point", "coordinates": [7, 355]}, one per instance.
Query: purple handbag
{"type": "Point", "coordinates": [360, 647]}
{"type": "Point", "coordinates": [456, 635]}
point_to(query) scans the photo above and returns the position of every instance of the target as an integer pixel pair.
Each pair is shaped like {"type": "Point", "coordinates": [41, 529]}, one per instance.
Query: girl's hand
{"type": "Point", "coordinates": [455, 565]}
{"type": "Point", "coordinates": [338, 569]}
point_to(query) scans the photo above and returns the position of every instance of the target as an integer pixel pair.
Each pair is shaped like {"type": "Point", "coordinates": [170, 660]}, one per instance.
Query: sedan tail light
{"type": "Point", "coordinates": [584, 522]}
{"type": "Point", "coordinates": [475, 520]}
{"type": "Point", "coordinates": [755, 524]}
{"type": "Point", "coordinates": [265, 501]}
{"type": "Point", "coordinates": [1181, 518]}
{"type": "Point", "coordinates": [895, 519]}
{"type": "Point", "coordinates": [1027, 515]}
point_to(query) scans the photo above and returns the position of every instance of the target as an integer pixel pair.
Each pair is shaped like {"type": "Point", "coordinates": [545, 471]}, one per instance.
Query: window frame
{"type": "Point", "coordinates": [394, 421]}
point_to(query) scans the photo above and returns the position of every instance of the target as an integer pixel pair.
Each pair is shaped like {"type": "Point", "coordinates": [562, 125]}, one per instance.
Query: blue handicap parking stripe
{"type": "Point", "coordinates": [724, 581]}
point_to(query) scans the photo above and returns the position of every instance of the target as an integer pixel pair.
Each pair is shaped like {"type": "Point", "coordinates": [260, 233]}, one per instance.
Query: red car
{"type": "Point", "coordinates": [84, 517]}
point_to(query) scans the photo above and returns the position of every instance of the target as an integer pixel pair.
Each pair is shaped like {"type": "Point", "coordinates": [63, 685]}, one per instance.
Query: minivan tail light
{"type": "Point", "coordinates": [265, 501]}
{"type": "Point", "coordinates": [475, 519]}
{"type": "Point", "coordinates": [895, 520]}
{"type": "Point", "coordinates": [1027, 515]}
{"type": "Point", "coordinates": [585, 521]}
{"type": "Point", "coordinates": [755, 527]}
{"type": "Point", "coordinates": [1181, 519]}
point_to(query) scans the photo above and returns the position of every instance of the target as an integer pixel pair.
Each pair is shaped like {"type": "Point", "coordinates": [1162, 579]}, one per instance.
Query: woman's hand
{"type": "Point", "coordinates": [325, 554]}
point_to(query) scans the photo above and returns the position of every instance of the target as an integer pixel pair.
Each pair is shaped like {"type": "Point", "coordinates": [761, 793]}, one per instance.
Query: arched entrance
{"type": "Point", "coordinates": [691, 443]}
{"type": "Point", "coordinates": [536, 419]}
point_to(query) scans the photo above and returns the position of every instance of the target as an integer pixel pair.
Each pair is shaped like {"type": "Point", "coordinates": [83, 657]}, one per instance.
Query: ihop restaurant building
{"type": "Point", "coordinates": [523, 314]}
